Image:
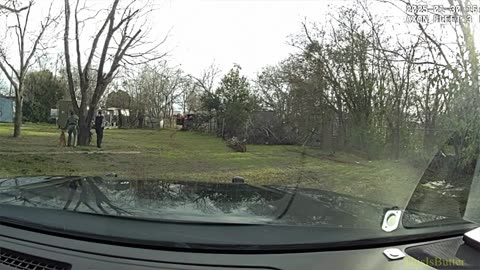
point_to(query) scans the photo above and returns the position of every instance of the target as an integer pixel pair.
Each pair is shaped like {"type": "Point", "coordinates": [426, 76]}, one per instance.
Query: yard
{"type": "Point", "coordinates": [178, 155]}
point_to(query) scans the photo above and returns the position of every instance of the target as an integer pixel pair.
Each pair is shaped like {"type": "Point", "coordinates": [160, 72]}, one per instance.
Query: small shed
{"type": "Point", "coordinates": [7, 109]}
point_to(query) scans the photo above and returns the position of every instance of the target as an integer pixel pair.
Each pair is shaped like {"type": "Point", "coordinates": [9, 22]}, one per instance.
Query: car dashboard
{"type": "Point", "coordinates": [24, 249]}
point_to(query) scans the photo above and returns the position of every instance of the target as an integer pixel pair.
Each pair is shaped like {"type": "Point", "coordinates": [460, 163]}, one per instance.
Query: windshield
{"type": "Point", "coordinates": [310, 114]}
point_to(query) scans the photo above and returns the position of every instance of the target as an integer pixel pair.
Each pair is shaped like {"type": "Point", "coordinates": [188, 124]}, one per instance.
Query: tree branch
{"type": "Point", "coordinates": [13, 10]}
{"type": "Point", "coordinates": [2, 54]}
{"type": "Point", "coordinates": [110, 32]}
{"type": "Point", "coordinates": [9, 77]}
{"type": "Point", "coordinates": [94, 47]}
{"type": "Point", "coordinates": [71, 86]}
{"type": "Point", "coordinates": [79, 54]}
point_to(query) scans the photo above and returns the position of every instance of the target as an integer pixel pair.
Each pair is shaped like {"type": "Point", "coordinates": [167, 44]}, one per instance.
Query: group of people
{"type": "Point", "coordinates": [72, 128]}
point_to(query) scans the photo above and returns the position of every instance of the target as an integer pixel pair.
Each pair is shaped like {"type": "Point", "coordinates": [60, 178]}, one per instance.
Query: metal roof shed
{"type": "Point", "coordinates": [7, 109]}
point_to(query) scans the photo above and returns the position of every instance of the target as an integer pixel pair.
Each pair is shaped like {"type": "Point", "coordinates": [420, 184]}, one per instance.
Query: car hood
{"type": "Point", "coordinates": [236, 203]}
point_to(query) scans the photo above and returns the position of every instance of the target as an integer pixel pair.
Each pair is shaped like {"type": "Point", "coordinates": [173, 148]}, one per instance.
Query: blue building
{"type": "Point", "coordinates": [7, 108]}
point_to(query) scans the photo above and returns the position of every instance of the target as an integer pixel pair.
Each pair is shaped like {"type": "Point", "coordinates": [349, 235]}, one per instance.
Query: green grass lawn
{"type": "Point", "coordinates": [177, 155]}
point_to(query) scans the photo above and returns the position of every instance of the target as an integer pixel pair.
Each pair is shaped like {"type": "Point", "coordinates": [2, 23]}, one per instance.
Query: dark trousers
{"type": "Point", "coordinates": [72, 135]}
{"type": "Point", "coordinates": [99, 132]}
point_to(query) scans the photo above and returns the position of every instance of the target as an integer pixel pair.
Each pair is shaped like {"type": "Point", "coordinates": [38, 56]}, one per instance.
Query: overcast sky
{"type": "Point", "coordinates": [252, 33]}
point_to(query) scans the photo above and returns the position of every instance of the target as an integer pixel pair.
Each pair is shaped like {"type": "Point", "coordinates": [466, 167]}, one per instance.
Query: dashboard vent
{"type": "Point", "coordinates": [17, 260]}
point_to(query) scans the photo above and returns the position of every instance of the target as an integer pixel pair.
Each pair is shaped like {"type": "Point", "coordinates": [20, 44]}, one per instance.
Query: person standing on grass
{"type": "Point", "coordinates": [72, 126]}
{"type": "Point", "coordinates": [99, 126]}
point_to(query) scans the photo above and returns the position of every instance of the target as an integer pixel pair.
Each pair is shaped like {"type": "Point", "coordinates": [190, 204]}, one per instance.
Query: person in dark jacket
{"type": "Point", "coordinates": [99, 126]}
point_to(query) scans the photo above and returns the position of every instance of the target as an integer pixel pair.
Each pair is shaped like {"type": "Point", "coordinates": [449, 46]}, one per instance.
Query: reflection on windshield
{"type": "Point", "coordinates": [199, 201]}
{"type": "Point", "coordinates": [192, 201]}
{"type": "Point", "coordinates": [147, 199]}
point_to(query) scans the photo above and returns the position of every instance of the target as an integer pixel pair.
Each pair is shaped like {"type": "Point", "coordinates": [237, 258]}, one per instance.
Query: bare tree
{"type": "Point", "coordinates": [9, 6]}
{"type": "Point", "coordinates": [124, 43]}
{"type": "Point", "coordinates": [27, 44]}
{"type": "Point", "coordinates": [399, 65]}
{"type": "Point", "coordinates": [207, 79]}
{"type": "Point", "coordinates": [131, 85]}
{"type": "Point", "coordinates": [206, 82]}
{"type": "Point", "coordinates": [160, 87]}
{"type": "Point", "coordinates": [191, 97]}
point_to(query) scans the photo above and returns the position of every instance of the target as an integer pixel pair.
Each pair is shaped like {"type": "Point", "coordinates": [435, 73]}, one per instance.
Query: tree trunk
{"type": "Point", "coordinates": [393, 139]}
{"type": "Point", "coordinates": [428, 137]}
{"type": "Point", "coordinates": [141, 119]}
{"type": "Point", "coordinates": [396, 142]}
{"type": "Point", "coordinates": [83, 131]}
{"type": "Point", "coordinates": [328, 143]}
{"type": "Point", "coordinates": [361, 140]}
{"type": "Point", "coordinates": [341, 133]}
{"type": "Point", "coordinates": [18, 117]}
{"type": "Point", "coordinates": [396, 131]}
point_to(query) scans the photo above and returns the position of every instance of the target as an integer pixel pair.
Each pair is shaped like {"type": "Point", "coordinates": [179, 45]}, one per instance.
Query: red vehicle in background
{"type": "Point", "coordinates": [185, 121]}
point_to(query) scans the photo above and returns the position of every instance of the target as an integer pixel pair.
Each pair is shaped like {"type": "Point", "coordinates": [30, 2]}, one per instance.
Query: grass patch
{"type": "Point", "coordinates": [176, 155]}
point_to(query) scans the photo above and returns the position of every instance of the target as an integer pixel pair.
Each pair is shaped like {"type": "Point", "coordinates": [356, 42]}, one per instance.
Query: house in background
{"type": "Point", "coordinates": [116, 117]}
{"type": "Point", "coordinates": [7, 108]}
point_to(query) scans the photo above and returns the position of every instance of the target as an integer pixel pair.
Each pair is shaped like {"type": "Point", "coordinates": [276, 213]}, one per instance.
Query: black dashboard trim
{"type": "Point", "coordinates": [137, 259]}
{"type": "Point", "coordinates": [239, 249]}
